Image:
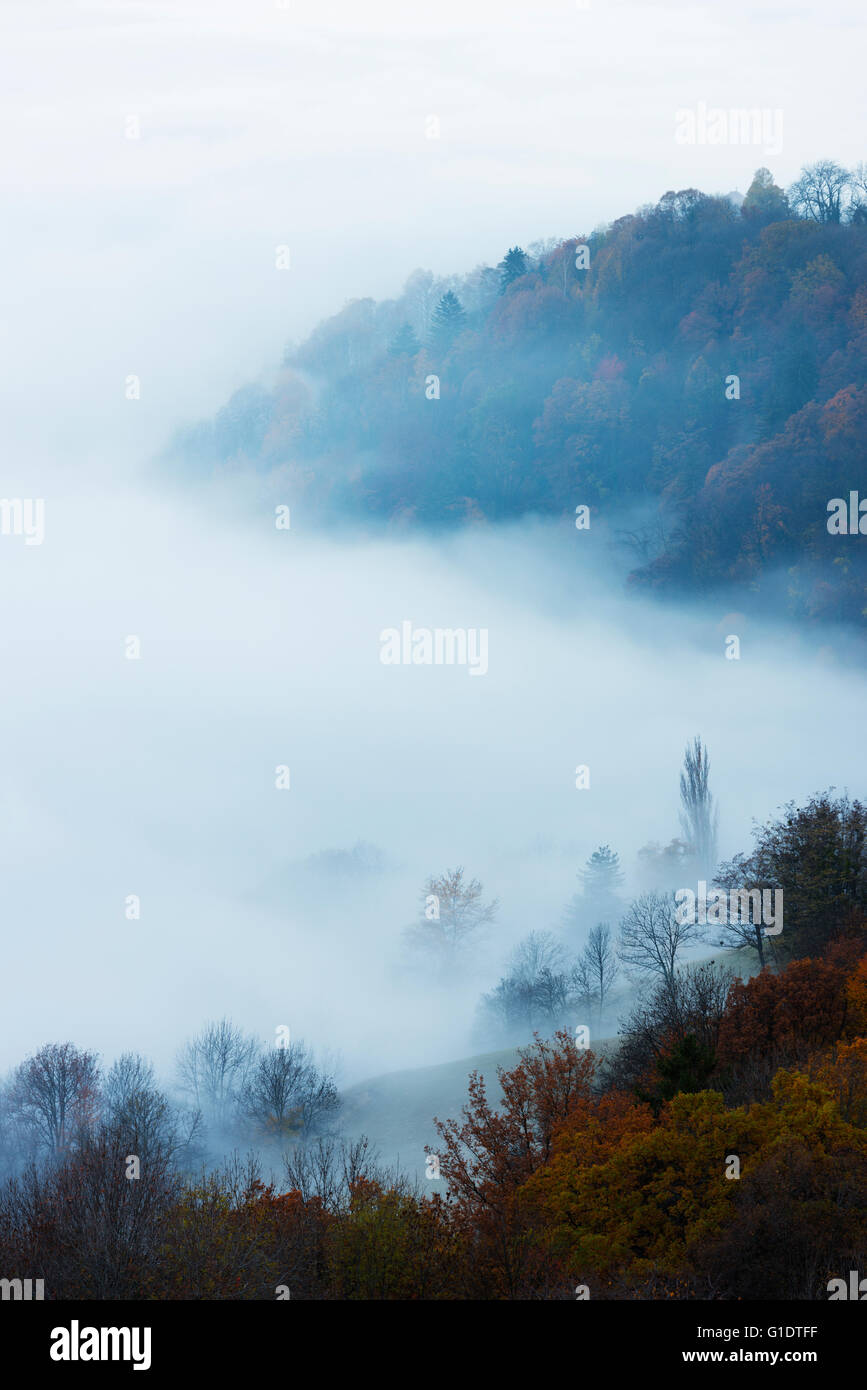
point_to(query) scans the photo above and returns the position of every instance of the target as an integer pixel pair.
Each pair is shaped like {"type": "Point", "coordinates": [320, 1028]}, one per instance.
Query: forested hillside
{"type": "Point", "coordinates": [696, 374]}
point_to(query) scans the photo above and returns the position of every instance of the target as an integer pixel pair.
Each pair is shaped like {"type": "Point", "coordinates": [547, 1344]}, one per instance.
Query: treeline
{"type": "Point", "coordinates": [724, 1156]}
{"type": "Point", "coordinates": [702, 361]}
{"type": "Point", "coordinates": [228, 1088]}
{"type": "Point", "coordinates": [719, 1153]}
{"type": "Point", "coordinates": [810, 860]}
{"type": "Point", "coordinates": [804, 879]}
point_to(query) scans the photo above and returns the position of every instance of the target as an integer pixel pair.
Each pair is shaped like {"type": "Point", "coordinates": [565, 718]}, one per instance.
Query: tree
{"type": "Point", "coordinates": [134, 1106]}
{"type": "Point", "coordinates": [453, 915]}
{"type": "Point", "coordinates": [512, 267]}
{"type": "Point", "coordinates": [858, 206]}
{"type": "Point", "coordinates": [600, 878]}
{"type": "Point", "coordinates": [699, 818]}
{"type": "Point", "coordinates": [447, 322]}
{"type": "Point", "coordinates": [421, 294]}
{"type": "Point", "coordinates": [582, 987]}
{"type": "Point", "coordinates": [651, 936]}
{"type": "Point", "coordinates": [692, 1004]}
{"type": "Point", "coordinates": [213, 1068]}
{"type": "Point", "coordinates": [817, 855]}
{"type": "Point", "coordinates": [687, 1067]}
{"type": "Point", "coordinates": [405, 343]}
{"type": "Point", "coordinates": [600, 959]}
{"type": "Point", "coordinates": [487, 1155]}
{"type": "Point", "coordinates": [764, 199]}
{"type": "Point", "coordinates": [511, 1004]}
{"type": "Point", "coordinates": [819, 192]}
{"type": "Point", "coordinates": [664, 865]}
{"type": "Point", "coordinates": [285, 1092]}
{"type": "Point", "coordinates": [130, 1075]}
{"type": "Point", "coordinates": [55, 1093]}
{"type": "Point", "coordinates": [739, 932]}
{"type": "Point", "coordinates": [535, 988]}
{"type": "Point", "coordinates": [804, 1005]}
{"type": "Point", "coordinates": [84, 1226]}
{"type": "Point", "coordinates": [537, 952]}
{"type": "Point", "coordinates": [602, 873]}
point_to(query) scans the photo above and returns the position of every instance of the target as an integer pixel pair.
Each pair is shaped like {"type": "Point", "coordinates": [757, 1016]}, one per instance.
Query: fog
{"type": "Point", "coordinates": [260, 648]}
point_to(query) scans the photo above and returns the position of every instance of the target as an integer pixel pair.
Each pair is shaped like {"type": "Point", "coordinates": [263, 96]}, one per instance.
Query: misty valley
{"type": "Point", "coordinates": [434, 834]}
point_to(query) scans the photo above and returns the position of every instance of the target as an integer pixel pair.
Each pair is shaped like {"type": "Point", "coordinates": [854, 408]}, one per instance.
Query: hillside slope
{"type": "Point", "coordinates": [396, 1110]}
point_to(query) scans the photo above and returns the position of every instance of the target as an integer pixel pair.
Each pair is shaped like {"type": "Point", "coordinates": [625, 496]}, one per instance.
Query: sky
{"type": "Point", "coordinates": [155, 155]}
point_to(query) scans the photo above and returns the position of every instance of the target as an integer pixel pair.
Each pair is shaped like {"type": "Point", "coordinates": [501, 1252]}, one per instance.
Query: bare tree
{"type": "Point", "coordinates": [536, 987]}
{"type": "Point", "coordinates": [54, 1094]}
{"type": "Point", "coordinates": [581, 987]}
{"type": "Point", "coordinates": [738, 932]}
{"type": "Point", "coordinates": [699, 818]}
{"type": "Point", "coordinates": [552, 994]}
{"type": "Point", "coordinates": [130, 1074]}
{"type": "Point", "coordinates": [819, 192]}
{"type": "Point", "coordinates": [421, 294]}
{"type": "Point", "coordinates": [452, 915]}
{"type": "Point", "coordinates": [330, 1168]}
{"type": "Point", "coordinates": [600, 959]}
{"type": "Point", "coordinates": [858, 188]}
{"type": "Point", "coordinates": [82, 1225]}
{"type": "Point", "coordinates": [213, 1068]}
{"type": "Point", "coordinates": [651, 936]}
{"type": "Point", "coordinates": [538, 951]}
{"type": "Point", "coordinates": [691, 1003]}
{"type": "Point", "coordinates": [136, 1108]}
{"type": "Point", "coordinates": [286, 1093]}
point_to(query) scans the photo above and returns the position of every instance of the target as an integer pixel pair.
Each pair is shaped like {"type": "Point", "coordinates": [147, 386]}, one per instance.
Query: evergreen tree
{"type": "Point", "coordinates": [404, 343]}
{"type": "Point", "coordinates": [512, 267]}
{"type": "Point", "coordinates": [602, 872]}
{"type": "Point", "coordinates": [600, 878]}
{"type": "Point", "coordinates": [448, 321]}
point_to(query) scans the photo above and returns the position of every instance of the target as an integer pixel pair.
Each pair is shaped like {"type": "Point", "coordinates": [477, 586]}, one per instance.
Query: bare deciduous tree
{"type": "Point", "coordinates": [582, 991]}
{"type": "Point", "coordinates": [651, 936]}
{"type": "Point", "coordinates": [329, 1169]}
{"type": "Point", "coordinates": [213, 1067]}
{"type": "Point", "coordinates": [54, 1094]}
{"type": "Point", "coordinates": [819, 192]}
{"type": "Point", "coordinates": [81, 1223]}
{"type": "Point", "coordinates": [535, 988]}
{"type": "Point", "coordinates": [286, 1092]}
{"type": "Point", "coordinates": [600, 959]}
{"type": "Point", "coordinates": [136, 1108]}
{"type": "Point", "coordinates": [691, 1003]}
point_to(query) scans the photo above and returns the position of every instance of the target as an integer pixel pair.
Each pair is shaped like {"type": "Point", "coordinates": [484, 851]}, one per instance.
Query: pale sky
{"type": "Point", "coordinates": [265, 124]}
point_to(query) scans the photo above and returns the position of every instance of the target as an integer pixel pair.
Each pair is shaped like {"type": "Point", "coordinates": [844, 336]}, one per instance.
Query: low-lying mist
{"type": "Point", "coordinates": [156, 775]}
